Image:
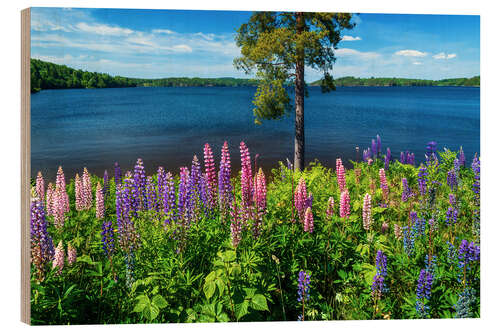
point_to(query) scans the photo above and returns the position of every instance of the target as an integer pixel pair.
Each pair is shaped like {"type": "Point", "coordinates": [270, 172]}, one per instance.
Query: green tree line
{"type": "Point", "coordinates": [47, 75]}
{"type": "Point", "coordinates": [388, 82]}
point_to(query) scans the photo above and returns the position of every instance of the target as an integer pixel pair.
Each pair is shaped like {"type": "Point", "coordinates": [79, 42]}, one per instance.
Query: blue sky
{"type": "Point", "coordinates": [172, 43]}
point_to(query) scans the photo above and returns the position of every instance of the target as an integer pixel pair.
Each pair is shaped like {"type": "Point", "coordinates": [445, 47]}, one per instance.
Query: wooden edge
{"type": "Point", "coordinates": [25, 165]}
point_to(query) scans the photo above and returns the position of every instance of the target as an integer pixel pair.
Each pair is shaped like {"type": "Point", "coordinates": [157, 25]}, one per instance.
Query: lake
{"type": "Point", "coordinates": [167, 126]}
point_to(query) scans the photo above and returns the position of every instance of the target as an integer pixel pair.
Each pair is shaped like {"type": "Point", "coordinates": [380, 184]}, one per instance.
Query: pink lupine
{"type": "Point", "coordinates": [40, 186]}
{"type": "Point", "coordinates": [383, 183]}
{"type": "Point", "coordinates": [345, 202]}
{"type": "Point", "coordinates": [86, 189]}
{"type": "Point", "coordinates": [235, 223]}
{"type": "Point", "coordinates": [308, 221]}
{"type": "Point", "coordinates": [367, 211]}
{"type": "Point", "coordinates": [260, 191]}
{"type": "Point", "coordinates": [49, 198]}
{"type": "Point", "coordinates": [58, 260]}
{"type": "Point", "coordinates": [300, 197]}
{"type": "Point", "coordinates": [210, 176]}
{"type": "Point", "coordinates": [225, 187]}
{"type": "Point", "coordinates": [58, 207]}
{"type": "Point", "coordinates": [246, 176]}
{"type": "Point", "coordinates": [99, 202]}
{"type": "Point", "coordinates": [78, 193]}
{"type": "Point", "coordinates": [71, 254]}
{"type": "Point", "coordinates": [330, 209]}
{"type": "Point", "coordinates": [61, 187]}
{"type": "Point", "coordinates": [384, 227]}
{"type": "Point", "coordinates": [341, 175]}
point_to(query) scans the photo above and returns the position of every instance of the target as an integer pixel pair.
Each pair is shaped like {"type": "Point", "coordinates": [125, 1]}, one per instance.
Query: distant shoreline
{"type": "Point", "coordinates": [50, 76]}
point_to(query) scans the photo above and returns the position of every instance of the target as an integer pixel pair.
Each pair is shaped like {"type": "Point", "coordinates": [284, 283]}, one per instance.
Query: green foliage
{"type": "Point", "coordinates": [351, 81]}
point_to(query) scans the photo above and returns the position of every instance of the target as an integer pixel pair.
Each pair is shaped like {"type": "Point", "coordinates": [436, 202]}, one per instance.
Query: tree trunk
{"type": "Point", "coordinates": [299, 101]}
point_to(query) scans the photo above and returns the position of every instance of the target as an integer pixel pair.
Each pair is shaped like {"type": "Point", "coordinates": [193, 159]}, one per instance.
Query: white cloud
{"type": "Point", "coordinates": [417, 63]}
{"type": "Point", "coordinates": [411, 53]}
{"type": "Point", "coordinates": [347, 38]}
{"type": "Point", "coordinates": [163, 31]}
{"type": "Point", "coordinates": [104, 29]}
{"type": "Point", "coordinates": [346, 52]}
{"type": "Point", "coordinates": [443, 55]}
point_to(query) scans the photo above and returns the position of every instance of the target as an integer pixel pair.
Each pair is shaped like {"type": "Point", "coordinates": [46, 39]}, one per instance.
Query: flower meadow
{"type": "Point", "coordinates": [385, 239]}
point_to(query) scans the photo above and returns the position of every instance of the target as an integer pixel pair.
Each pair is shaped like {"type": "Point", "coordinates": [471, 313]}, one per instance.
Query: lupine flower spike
{"type": "Point", "coordinates": [367, 211]}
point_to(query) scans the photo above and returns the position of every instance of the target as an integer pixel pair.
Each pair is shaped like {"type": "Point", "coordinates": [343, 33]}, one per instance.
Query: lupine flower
{"type": "Point", "coordinates": [451, 216]}
{"type": "Point", "coordinates": [260, 200]}
{"type": "Point", "coordinates": [456, 167]}
{"type": "Point", "coordinates": [431, 150]}
{"type": "Point", "coordinates": [140, 185]}
{"type": "Point", "coordinates": [374, 149]}
{"type": "Point", "coordinates": [127, 234]}
{"type": "Point", "coordinates": [422, 180]}
{"type": "Point", "coordinates": [86, 190]}
{"type": "Point", "coordinates": [225, 187]}
{"type": "Point", "coordinates": [330, 209]}
{"type": "Point", "coordinates": [49, 199]}
{"type": "Point", "coordinates": [42, 247]}
{"type": "Point", "coordinates": [379, 145]}
{"type": "Point", "coordinates": [405, 193]}
{"type": "Point", "coordinates": [461, 157]}
{"type": "Point", "coordinates": [71, 254]}
{"type": "Point", "coordinates": [303, 286]}
{"type": "Point", "coordinates": [79, 204]}
{"type": "Point", "coordinates": [61, 190]}
{"type": "Point", "coordinates": [384, 227]}
{"type": "Point", "coordinates": [345, 206]}
{"type": "Point", "coordinates": [341, 175]}
{"type": "Point", "coordinates": [378, 285]}
{"type": "Point", "coordinates": [196, 192]}
{"type": "Point", "coordinates": [246, 176]}
{"type": "Point", "coordinates": [452, 199]}
{"type": "Point", "coordinates": [40, 186]}
{"type": "Point", "coordinates": [58, 206]}
{"type": "Point", "coordinates": [367, 211]}
{"type": "Point", "coordinates": [367, 154]}
{"type": "Point", "coordinates": [235, 224]}
{"type": "Point", "coordinates": [183, 194]}
{"type": "Point", "coordinates": [151, 194]}
{"type": "Point", "coordinates": [168, 195]}
{"type": "Point", "coordinates": [108, 238]}
{"type": "Point", "coordinates": [387, 159]}
{"type": "Point", "coordinates": [466, 300]}
{"type": "Point", "coordinates": [210, 176]}
{"type": "Point", "coordinates": [409, 235]}
{"type": "Point", "coordinates": [58, 260]}
{"type": "Point", "coordinates": [383, 183]}
{"type": "Point", "coordinates": [99, 202]}
{"type": "Point", "coordinates": [410, 159]}
{"type": "Point", "coordinates": [397, 232]}
{"type": "Point", "coordinates": [451, 179]}
{"type": "Point", "coordinates": [105, 184]}
{"type": "Point", "coordinates": [424, 287]}
{"type": "Point", "coordinates": [118, 173]}
{"type": "Point", "coordinates": [300, 197]}
{"type": "Point", "coordinates": [467, 253]}
{"type": "Point", "coordinates": [308, 221]}
{"type": "Point", "coordinates": [402, 158]}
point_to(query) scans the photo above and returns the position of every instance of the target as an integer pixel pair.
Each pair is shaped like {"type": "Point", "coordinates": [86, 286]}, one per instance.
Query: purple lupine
{"type": "Point", "coordinates": [410, 159]}
{"type": "Point", "coordinates": [151, 194]}
{"type": "Point", "coordinates": [405, 193]}
{"type": "Point", "coordinates": [42, 247]}
{"type": "Point", "coordinates": [451, 180]}
{"type": "Point", "coordinates": [374, 148]}
{"type": "Point", "coordinates": [431, 151]}
{"type": "Point", "coordinates": [168, 197]}
{"type": "Point", "coordinates": [468, 252]}
{"type": "Point", "coordinates": [140, 184]}
{"type": "Point", "coordinates": [183, 194]}
{"type": "Point", "coordinates": [246, 176]}
{"type": "Point", "coordinates": [210, 176]}
{"type": "Point", "coordinates": [225, 187]}
{"type": "Point", "coordinates": [379, 145]}
{"type": "Point", "coordinates": [422, 180]}
{"type": "Point", "coordinates": [118, 173]}
{"type": "Point", "coordinates": [367, 154]}
{"type": "Point", "coordinates": [108, 238]}
{"type": "Point", "coordinates": [476, 185]}
{"type": "Point", "coordinates": [127, 235]}
{"type": "Point", "coordinates": [451, 216]}
{"type": "Point", "coordinates": [452, 199]}
{"type": "Point", "coordinates": [378, 285]}
{"type": "Point", "coordinates": [424, 287]}
{"type": "Point", "coordinates": [387, 159]}
{"type": "Point", "coordinates": [161, 181]}
{"type": "Point", "coordinates": [402, 158]}
{"type": "Point", "coordinates": [461, 157]}
{"type": "Point", "coordinates": [196, 193]}
{"type": "Point", "coordinates": [303, 287]}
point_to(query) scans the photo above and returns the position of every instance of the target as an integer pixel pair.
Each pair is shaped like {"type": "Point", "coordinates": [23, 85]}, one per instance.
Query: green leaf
{"type": "Point", "coordinates": [154, 312]}
{"type": "Point", "coordinates": [259, 303]}
{"type": "Point", "coordinates": [159, 301]}
{"type": "Point", "coordinates": [249, 292]}
{"type": "Point", "coordinates": [241, 309]}
{"type": "Point", "coordinates": [209, 289]}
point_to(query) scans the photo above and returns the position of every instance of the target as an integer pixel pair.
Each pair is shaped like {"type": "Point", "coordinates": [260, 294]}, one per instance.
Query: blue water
{"type": "Point", "coordinates": [167, 126]}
